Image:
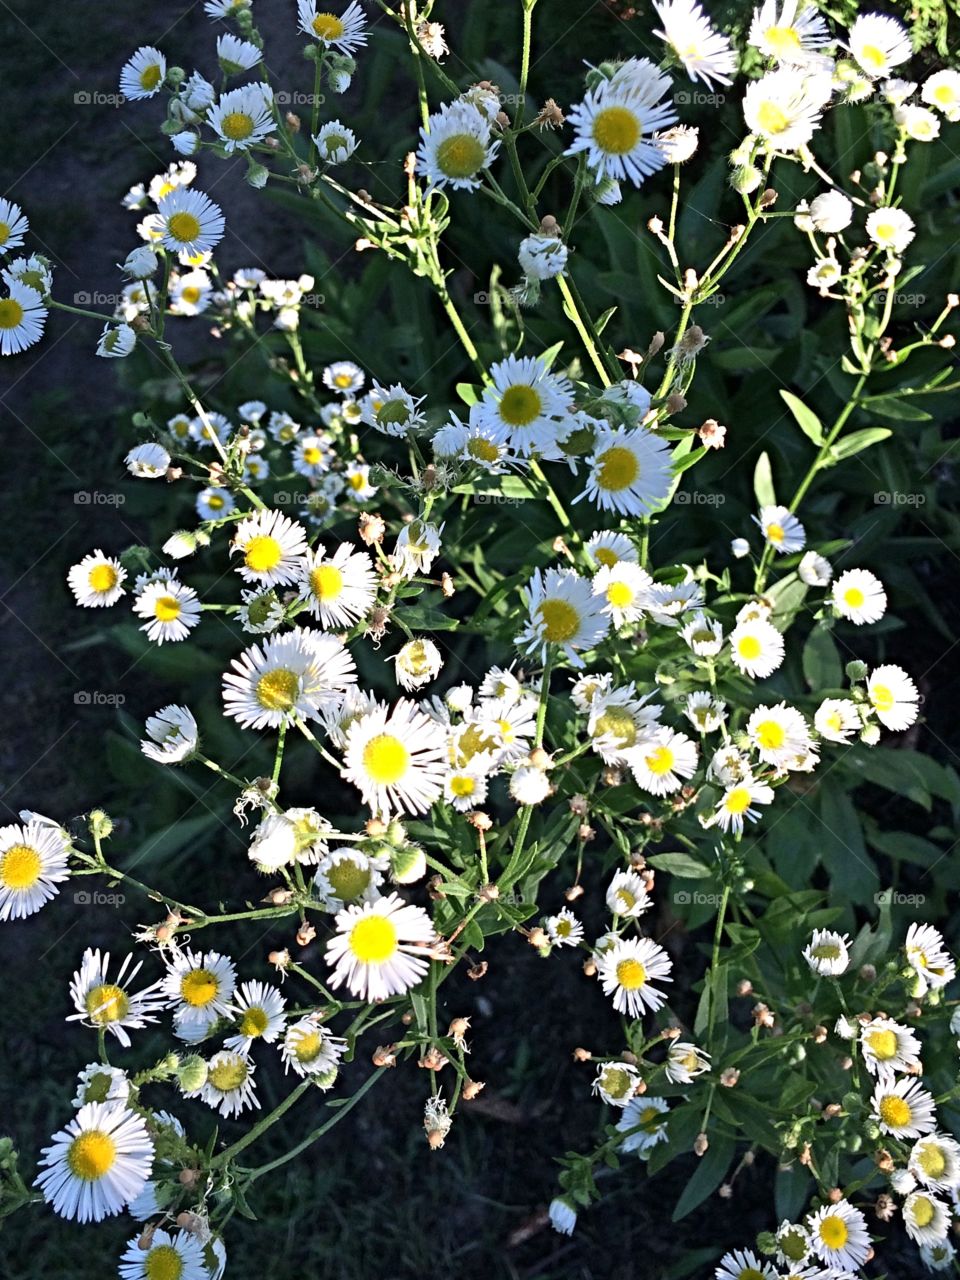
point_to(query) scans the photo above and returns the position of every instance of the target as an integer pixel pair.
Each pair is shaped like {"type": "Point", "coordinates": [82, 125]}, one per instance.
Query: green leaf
{"type": "Point", "coordinates": [680, 864]}
{"type": "Point", "coordinates": [468, 393]}
{"type": "Point", "coordinates": [707, 1176]}
{"type": "Point", "coordinates": [857, 441]}
{"type": "Point", "coordinates": [792, 1188]}
{"type": "Point", "coordinates": [806, 419]}
{"type": "Point", "coordinates": [822, 667]}
{"type": "Point", "coordinates": [763, 482]}
{"type": "Point", "coordinates": [898, 410]}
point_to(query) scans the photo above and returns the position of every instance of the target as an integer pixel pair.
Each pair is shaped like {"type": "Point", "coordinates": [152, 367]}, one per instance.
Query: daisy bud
{"type": "Point", "coordinates": [537, 938]}
{"type": "Point", "coordinates": [100, 824]}
{"type": "Point", "coordinates": [191, 1073]}
{"type": "Point", "coordinates": [446, 586]}
{"type": "Point", "coordinates": [256, 175]}
{"type": "Point", "coordinates": [408, 864]}
{"type": "Point", "coordinates": [819, 1034]}
{"type": "Point", "coordinates": [590, 967]}
{"type": "Point", "coordinates": [729, 1077]}
{"type": "Point", "coordinates": [472, 1088]}
{"type": "Point", "coordinates": [745, 179]}
{"type": "Point", "coordinates": [482, 821]}
{"type": "Point", "coordinates": [675, 403]}
{"type": "Point", "coordinates": [947, 341]}
{"type": "Point", "coordinates": [701, 1144]}
{"type": "Point", "coordinates": [725, 1192]}
{"type": "Point", "coordinates": [856, 670]}
{"type": "Point", "coordinates": [868, 973]}
{"type": "Point", "coordinates": [385, 1055]}
{"type": "Point", "coordinates": [744, 987]}
{"type": "Point", "coordinates": [831, 1111]}
{"type": "Point", "coordinates": [573, 893]}
{"type": "Point", "coordinates": [141, 263]}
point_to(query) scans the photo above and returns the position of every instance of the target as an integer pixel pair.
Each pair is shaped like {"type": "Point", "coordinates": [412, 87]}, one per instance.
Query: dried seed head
{"type": "Point", "coordinates": [550, 116]}
{"type": "Point", "coordinates": [471, 1088]}
{"type": "Point", "coordinates": [712, 434]}
{"type": "Point", "coordinates": [385, 1055]}
{"type": "Point", "coordinates": [372, 528]}
{"type": "Point", "coordinates": [478, 971]}
{"type": "Point", "coordinates": [306, 934]}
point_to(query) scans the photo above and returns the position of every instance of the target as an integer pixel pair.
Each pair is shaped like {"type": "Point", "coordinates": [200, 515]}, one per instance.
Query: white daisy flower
{"type": "Point", "coordinates": [756, 648]}
{"type": "Point", "coordinates": [335, 143]}
{"type": "Point", "coordinates": [301, 673]}
{"type": "Point", "coordinates": [563, 611]}
{"type": "Point", "coordinates": [214, 504]}
{"type": "Point", "coordinates": [706, 54]}
{"type": "Point", "coordinates": [243, 117]}
{"type": "Point", "coordinates": [837, 719]}
{"type": "Point", "coordinates": [661, 763]}
{"type": "Point", "coordinates": [259, 1009]}
{"type": "Point", "coordinates": [199, 986]}
{"type": "Point", "coordinates": [789, 31]}
{"type": "Point", "coordinates": [340, 589]}
{"type": "Point", "coordinates": [608, 548]}
{"type": "Point", "coordinates": [190, 294]}
{"type": "Point", "coordinates": [98, 1082]}
{"type": "Point", "coordinates": [624, 589]}
{"type": "Point", "coordinates": [542, 257]}
{"type": "Point", "coordinates": [705, 712]}
{"type": "Point", "coordinates": [35, 272]}
{"type": "Point", "coordinates": [358, 483]}
{"type": "Point", "coordinates": [310, 1049]}
{"type": "Point", "coordinates": [828, 953]}
{"type": "Point", "coordinates": [97, 580]}
{"type": "Point", "coordinates": [13, 226]}
{"type": "Point", "coordinates": [343, 377]}
{"type": "Point", "coordinates": [941, 90]}
{"type": "Point", "coordinates": [375, 951]}
{"type": "Point", "coordinates": [22, 317]}
{"type": "Point", "coordinates": [417, 546]}
{"type": "Point", "coordinates": [393, 411]}
{"type": "Point", "coordinates": [935, 1161]}
{"type": "Point", "coordinates": [618, 721]}
{"type": "Point", "coordinates": [396, 757]}
{"type": "Point", "coordinates": [616, 1083]}
{"type": "Point", "coordinates": [465, 788]}
{"type": "Point", "coordinates": [563, 1216]}
{"type": "Point", "coordinates": [417, 663]}
{"type": "Point", "coordinates": [890, 229]}
{"type": "Point", "coordinates": [527, 400]}
{"type": "Point", "coordinates": [782, 530]}
{"type": "Point", "coordinates": [778, 734]}
{"type": "Point", "coordinates": [456, 148]}
{"type": "Point", "coordinates": [644, 1124]}
{"type": "Point", "coordinates": [628, 971]}
{"type": "Point", "coordinates": [879, 44]}
{"type": "Point", "coordinates": [783, 107]}
{"type": "Point", "coordinates": [839, 1236]}
{"type": "Point", "coordinates": [917, 123]}
{"type": "Point", "coordinates": [98, 1164]}
{"type": "Point", "coordinates": [166, 1256]}
{"type": "Point", "coordinates": [116, 341]}
{"type": "Point", "coordinates": [742, 1264]}
{"type": "Point", "coordinates": [926, 1218]}
{"type": "Point", "coordinates": [33, 861]}
{"type": "Point", "coordinates": [147, 461]}
{"type": "Point", "coordinates": [345, 32]}
{"type": "Point", "coordinates": [903, 1108]}
{"type": "Point", "coordinates": [627, 895]}
{"type": "Point", "coordinates": [628, 472]}
{"type": "Point", "coordinates": [831, 212]}
{"type": "Point", "coordinates": [236, 55]}
{"type": "Point", "coordinates": [485, 443]}
{"type": "Point", "coordinates": [311, 456]}
{"type": "Point", "coordinates": [110, 1005]}
{"type": "Point", "coordinates": [815, 570]}
{"type": "Point", "coordinates": [172, 736]}
{"type": "Point", "coordinates": [685, 1061]}
{"type": "Point", "coordinates": [346, 876]}
{"type": "Point", "coordinates": [529, 785]}
{"type": "Point", "coordinates": [889, 1047]}
{"type": "Point", "coordinates": [615, 123]}
{"type": "Point", "coordinates": [893, 696]}
{"type": "Point", "coordinates": [188, 221]}
{"type": "Point", "coordinates": [171, 608]}
{"type": "Point", "coordinates": [229, 1087]}
{"type": "Point", "coordinates": [928, 957]}
{"type": "Point", "coordinates": [564, 929]}
{"type": "Point", "coordinates": [273, 547]}
{"type": "Point", "coordinates": [737, 804]}
{"type": "Point", "coordinates": [143, 75]}
{"type": "Point", "coordinates": [703, 635]}
{"type": "Point", "coordinates": [859, 596]}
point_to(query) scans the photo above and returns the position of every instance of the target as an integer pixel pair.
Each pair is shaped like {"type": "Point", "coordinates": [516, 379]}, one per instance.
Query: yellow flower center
{"type": "Point", "coordinates": [617, 1082]}
{"type": "Point", "coordinates": [4, 232]}
{"type": "Point", "coordinates": [327, 26]}
{"type": "Point", "coordinates": [873, 57]}
{"type": "Point", "coordinates": [348, 880]}
{"type": "Point", "coordinates": [308, 1046]}
{"type": "Point", "coordinates": [483, 450]}
{"type": "Point", "coordinates": [462, 785]}
{"type": "Point", "coordinates": [943, 94]}
{"type": "Point", "coordinates": [373, 940]}
{"type": "Point", "coordinates": [619, 595]}
{"type": "Point", "coordinates": [520, 405]}
{"type": "Point", "coordinates": [782, 40]}
{"type": "Point", "coordinates": [617, 468]}
{"type": "Point", "coordinates": [461, 155]}
{"type": "Point", "coordinates": [215, 502]}
{"type": "Point", "coordinates": [183, 227]}
{"type": "Point", "coordinates": [278, 690]}
{"type": "Point", "coordinates": [20, 867]}
{"type": "Point", "coordinates": [357, 481]}
{"type": "Point", "coordinates": [618, 724]}
{"type": "Point", "coordinates": [923, 1211]}
{"type": "Point", "coordinates": [254, 1022]}
{"type": "Point", "coordinates": [884, 231]}
{"type": "Point", "coordinates": [262, 553]}
{"type": "Point", "coordinates": [882, 697]}
{"type": "Point", "coordinates": [883, 1044]}
{"type": "Point", "coordinates": [749, 647]}
{"type": "Point", "coordinates": [163, 1263]}
{"type": "Point", "coordinates": [660, 761]}
{"type": "Point", "coordinates": [190, 294]}
{"type": "Point", "coordinates": [227, 1076]}
{"type": "Point", "coordinates": [166, 609]}
{"type": "Point", "coordinates": [775, 533]}
{"type": "Point", "coordinates": [854, 597]}
{"type": "Point", "coordinates": [312, 455]}
{"type": "Point", "coordinates": [326, 581]}
{"type": "Point", "coordinates": [106, 1003]}
{"type": "Point", "coordinates": [199, 987]}
{"type": "Point", "coordinates": [833, 1232]}
{"type": "Point", "coordinates": [771, 118]}
{"type": "Point", "coordinates": [834, 721]}
{"type": "Point", "coordinates": [770, 735]}
{"type": "Point", "coordinates": [603, 555]}
{"type": "Point", "coordinates": [631, 974]}
{"type": "Point", "coordinates": [150, 76]}
{"type": "Point", "coordinates": [932, 1160]}
{"type": "Point", "coordinates": [386, 759]}
{"type": "Point", "coordinates": [91, 1155]}
{"type": "Point", "coordinates": [11, 313]}
{"type": "Point", "coordinates": [343, 380]}
{"type": "Point", "coordinates": [895, 1112]}
{"type": "Point", "coordinates": [738, 800]}
{"type": "Point", "coordinates": [828, 951]}
{"type": "Point", "coordinates": [651, 1118]}
{"type": "Point", "coordinates": [616, 130]}
{"type": "Point", "coordinates": [561, 621]}
{"type": "Point", "coordinates": [392, 413]}
{"type": "Point", "coordinates": [237, 125]}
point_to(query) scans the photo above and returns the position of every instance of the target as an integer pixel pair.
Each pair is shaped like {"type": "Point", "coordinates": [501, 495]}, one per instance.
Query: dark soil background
{"type": "Point", "coordinates": [371, 1201]}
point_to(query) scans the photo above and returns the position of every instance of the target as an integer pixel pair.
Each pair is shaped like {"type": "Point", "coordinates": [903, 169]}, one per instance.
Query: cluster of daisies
{"type": "Point", "coordinates": [917, 1157]}
{"type": "Point", "coordinates": [26, 284]}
